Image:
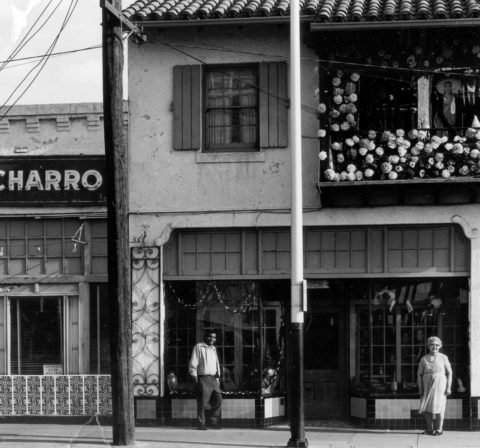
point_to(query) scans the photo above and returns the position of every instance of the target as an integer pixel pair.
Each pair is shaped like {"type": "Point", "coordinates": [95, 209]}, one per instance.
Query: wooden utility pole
{"type": "Point", "coordinates": [123, 423]}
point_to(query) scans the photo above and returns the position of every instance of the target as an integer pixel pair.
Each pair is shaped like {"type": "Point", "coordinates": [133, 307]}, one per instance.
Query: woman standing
{"type": "Point", "coordinates": [434, 380]}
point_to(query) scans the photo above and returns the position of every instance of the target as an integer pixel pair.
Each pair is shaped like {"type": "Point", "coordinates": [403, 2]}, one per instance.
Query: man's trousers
{"type": "Point", "coordinates": [209, 393]}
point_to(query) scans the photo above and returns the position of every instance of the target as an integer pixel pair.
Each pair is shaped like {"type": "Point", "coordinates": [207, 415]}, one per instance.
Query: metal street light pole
{"type": "Point", "coordinates": [295, 346]}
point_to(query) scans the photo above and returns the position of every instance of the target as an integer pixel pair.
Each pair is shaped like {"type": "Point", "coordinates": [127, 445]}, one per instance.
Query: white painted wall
{"type": "Point", "coordinates": [168, 180]}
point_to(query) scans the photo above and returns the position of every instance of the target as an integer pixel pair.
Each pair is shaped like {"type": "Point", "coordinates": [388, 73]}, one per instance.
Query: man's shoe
{"type": "Point", "coordinates": [202, 428]}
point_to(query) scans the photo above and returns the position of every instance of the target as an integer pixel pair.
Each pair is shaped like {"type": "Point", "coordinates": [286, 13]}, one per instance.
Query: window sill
{"type": "Point", "coordinates": [230, 157]}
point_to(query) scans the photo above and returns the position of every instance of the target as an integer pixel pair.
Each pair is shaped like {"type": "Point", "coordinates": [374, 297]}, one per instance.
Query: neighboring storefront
{"type": "Point", "coordinates": [54, 318]}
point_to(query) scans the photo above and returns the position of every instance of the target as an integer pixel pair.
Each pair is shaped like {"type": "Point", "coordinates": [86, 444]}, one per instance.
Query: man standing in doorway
{"type": "Point", "coordinates": [205, 370]}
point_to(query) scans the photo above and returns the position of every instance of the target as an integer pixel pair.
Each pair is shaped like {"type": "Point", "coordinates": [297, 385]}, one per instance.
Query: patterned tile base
{"type": "Point", "coordinates": [55, 395]}
{"type": "Point", "coordinates": [402, 413]}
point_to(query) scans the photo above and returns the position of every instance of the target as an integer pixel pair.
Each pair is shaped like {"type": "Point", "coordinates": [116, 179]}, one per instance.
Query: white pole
{"type": "Point", "coordinates": [296, 148]}
{"type": "Point", "coordinates": [295, 340]}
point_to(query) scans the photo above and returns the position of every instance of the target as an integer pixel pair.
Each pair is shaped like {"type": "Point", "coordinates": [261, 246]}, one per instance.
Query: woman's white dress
{"type": "Point", "coordinates": [434, 382]}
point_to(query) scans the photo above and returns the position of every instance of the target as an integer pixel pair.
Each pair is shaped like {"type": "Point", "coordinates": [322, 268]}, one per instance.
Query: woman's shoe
{"type": "Point", "coordinates": [429, 432]}
{"type": "Point", "coordinates": [437, 433]}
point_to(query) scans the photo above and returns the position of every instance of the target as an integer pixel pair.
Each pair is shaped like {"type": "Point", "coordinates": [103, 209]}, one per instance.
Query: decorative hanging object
{"type": "Point", "coordinates": [235, 297]}
{"type": "Point", "coordinates": [79, 236]}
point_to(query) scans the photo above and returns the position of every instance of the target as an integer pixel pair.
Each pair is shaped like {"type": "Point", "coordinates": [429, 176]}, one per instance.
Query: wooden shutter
{"type": "Point", "coordinates": [187, 107]}
{"type": "Point", "coordinates": [273, 105]}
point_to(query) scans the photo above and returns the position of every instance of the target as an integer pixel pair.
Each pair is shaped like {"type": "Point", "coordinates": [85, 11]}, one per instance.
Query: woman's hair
{"type": "Point", "coordinates": [433, 340]}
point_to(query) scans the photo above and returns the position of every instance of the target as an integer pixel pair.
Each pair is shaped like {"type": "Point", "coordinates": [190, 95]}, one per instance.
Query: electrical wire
{"type": "Point", "coordinates": [41, 63]}
{"type": "Point", "coordinates": [32, 59]}
{"type": "Point", "coordinates": [27, 38]}
{"type": "Point", "coordinates": [199, 46]}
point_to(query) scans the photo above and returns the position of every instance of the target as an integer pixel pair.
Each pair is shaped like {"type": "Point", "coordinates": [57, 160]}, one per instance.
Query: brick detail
{"type": "Point", "coordinates": [33, 125]}
{"type": "Point", "coordinates": [63, 124]}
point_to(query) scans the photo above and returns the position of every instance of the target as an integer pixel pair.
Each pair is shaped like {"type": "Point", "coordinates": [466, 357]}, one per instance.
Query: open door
{"type": "Point", "coordinates": [326, 363]}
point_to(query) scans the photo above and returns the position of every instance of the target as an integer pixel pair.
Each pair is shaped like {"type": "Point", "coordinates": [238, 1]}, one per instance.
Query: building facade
{"type": "Point", "coordinates": [390, 205]}
{"type": "Point", "coordinates": [54, 318]}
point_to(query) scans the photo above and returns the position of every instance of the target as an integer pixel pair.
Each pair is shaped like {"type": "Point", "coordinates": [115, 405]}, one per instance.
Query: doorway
{"type": "Point", "coordinates": [325, 362]}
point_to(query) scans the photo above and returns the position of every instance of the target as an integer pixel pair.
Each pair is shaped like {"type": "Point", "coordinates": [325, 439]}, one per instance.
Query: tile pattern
{"type": "Point", "coordinates": [34, 400]}
{"type": "Point", "coordinates": [390, 413]}
{"type": "Point", "coordinates": [321, 10]}
{"type": "Point", "coordinates": [399, 409]}
{"type": "Point", "coordinates": [238, 408]}
{"type": "Point", "coordinates": [274, 407]}
{"type": "Point", "coordinates": [55, 395]}
{"type": "Point", "coordinates": [358, 407]}
{"type": "Point", "coordinates": [255, 412]}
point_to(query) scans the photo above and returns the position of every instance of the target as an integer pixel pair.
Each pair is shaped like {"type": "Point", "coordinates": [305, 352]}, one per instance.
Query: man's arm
{"type": "Point", "coordinates": [194, 359]}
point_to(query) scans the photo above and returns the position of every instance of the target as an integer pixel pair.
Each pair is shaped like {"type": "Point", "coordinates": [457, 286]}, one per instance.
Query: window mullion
{"type": "Point", "coordinates": [398, 345]}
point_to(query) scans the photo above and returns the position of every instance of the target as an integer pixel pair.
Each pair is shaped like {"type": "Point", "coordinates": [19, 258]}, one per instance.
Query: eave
{"type": "Point", "coordinates": [394, 24]}
{"type": "Point", "coordinates": [240, 21]}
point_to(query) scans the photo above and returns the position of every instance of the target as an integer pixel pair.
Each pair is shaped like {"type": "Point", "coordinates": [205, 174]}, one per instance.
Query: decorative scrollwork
{"type": "Point", "coordinates": [146, 320]}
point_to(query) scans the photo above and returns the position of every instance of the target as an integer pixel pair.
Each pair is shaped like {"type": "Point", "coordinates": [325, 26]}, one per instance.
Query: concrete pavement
{"type": "Point", "coordinates": [95, 436]}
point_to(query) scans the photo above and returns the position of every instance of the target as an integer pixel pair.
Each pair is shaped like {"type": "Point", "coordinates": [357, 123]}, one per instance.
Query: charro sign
{"type": "Point", "coordinates": [39, 181]}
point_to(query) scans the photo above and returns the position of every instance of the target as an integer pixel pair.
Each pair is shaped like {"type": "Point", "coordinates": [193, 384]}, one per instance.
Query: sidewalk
{"type": "Point", "coordinates": [95, 436]}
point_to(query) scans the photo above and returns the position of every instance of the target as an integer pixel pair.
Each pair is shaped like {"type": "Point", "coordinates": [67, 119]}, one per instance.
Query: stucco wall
{"type": "Point", "coordinates": [53, 129]}
{"type": "Point", "coordinates": [167, 180]}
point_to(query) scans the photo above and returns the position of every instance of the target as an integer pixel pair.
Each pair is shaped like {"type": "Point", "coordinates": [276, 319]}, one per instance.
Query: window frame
{"type": "Point", "coordinates": [378, 318]}
{"type": "Point", "coordinates": [230, 147]}
{"type": "Point", "coordinates": [11, 305]}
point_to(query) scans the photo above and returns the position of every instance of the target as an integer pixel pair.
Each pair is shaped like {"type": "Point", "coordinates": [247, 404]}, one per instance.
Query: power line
{"type": "Point", "coordinates": [42, 62]}
{"type": "Point", "coordinates": [31, 59]}
{"type": "Point", "coordinates": [27, 38]}
{"type": "Point", "coordinates": [423, 71]}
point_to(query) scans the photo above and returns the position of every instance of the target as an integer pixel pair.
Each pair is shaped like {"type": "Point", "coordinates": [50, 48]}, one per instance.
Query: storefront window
{"type": "Point", "coordinates": [393, 327]}
{"type": "Point", "coordinates": [250, 358]}
{"type": "Point", "coordinates": [36, 336]}
{"type": "Point", "coordinates": [99, 330]}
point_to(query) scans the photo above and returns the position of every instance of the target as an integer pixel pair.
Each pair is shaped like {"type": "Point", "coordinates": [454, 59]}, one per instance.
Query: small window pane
{"type": "Point", "coordinates": [98, 228]}
{"type": "Point", "coordinates": [54, 228]}
{"type": "Point", "coordinates": [54, 248]}
{"type": "Point", "coordinates": [17, 248]}
{"type": "Point", "coordinates": [35, 228]}
{"type": "Point", "coordinates": [35, 248]}
{"type": "Point", "coordinates": [17, 229]}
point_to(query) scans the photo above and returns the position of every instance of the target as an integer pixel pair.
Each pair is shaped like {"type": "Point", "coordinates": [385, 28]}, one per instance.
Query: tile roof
{"type": "Point", "coordinates": [320, 10]}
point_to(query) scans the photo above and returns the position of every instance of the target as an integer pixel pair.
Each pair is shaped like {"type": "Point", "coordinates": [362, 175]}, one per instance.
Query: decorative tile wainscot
{"type": "Point", "coordinates": [55, 395]}
{"type": "Point", "coordinates": [238, 412]}
{"type": "Point", "coordinates": [402, 413]}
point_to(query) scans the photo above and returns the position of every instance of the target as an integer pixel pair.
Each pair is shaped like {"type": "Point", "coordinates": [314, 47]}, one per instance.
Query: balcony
{"type": "Point", "coordinates": [464, 190]}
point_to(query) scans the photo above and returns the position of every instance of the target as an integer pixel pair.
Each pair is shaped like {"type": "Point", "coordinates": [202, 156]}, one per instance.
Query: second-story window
{"type": "Point", "coordinates": [231, 113]}
{"type": "Point", "coordinates": [229, 108]}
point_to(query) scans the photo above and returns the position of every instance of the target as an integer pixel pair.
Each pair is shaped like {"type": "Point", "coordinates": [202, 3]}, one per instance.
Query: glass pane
{"type": "Point", "coordinates": [36, 334]}
{"type": "Point", "coordinates": [54, 228]}
{"type": "Point", "coordinates": [35, 248]}
{"type": "Point", "coordinates": [54, 248]}
{"type": "Point", "coordinates": [35, 228]}
{"type": "Point", "coordinates": [17, 229]}
{"type": "Point", "coordinates": [322, 336]}
{"type": "Point", "coordinates": [17, 248]}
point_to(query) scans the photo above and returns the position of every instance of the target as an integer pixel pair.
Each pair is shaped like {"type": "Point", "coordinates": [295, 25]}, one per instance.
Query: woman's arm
{"type": "Point", "coordinates": [448, 372]}
{"type": "Point", "coordinates": [419, 378]}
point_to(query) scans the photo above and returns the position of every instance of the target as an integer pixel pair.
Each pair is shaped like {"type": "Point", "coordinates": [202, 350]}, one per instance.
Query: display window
{"type": "Point", "coordinates": [393, 324]}
{"type": "Point", "coordinates": [248, 319]}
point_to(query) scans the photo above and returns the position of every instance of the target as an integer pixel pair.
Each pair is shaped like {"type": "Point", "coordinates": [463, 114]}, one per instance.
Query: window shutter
{"type": "Point", "coordinates": [187, 107]}
{"type": "Point", "coordinates": [273, 102]}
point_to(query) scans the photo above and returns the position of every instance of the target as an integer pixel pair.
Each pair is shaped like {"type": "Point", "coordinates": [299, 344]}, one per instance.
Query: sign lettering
{"type": "Point", "coordinates": [52, 180]}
